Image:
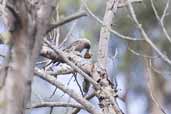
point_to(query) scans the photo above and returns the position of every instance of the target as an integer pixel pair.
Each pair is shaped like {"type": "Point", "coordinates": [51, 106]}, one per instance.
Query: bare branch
{"type": "Point", "coordinates": [96, 73]}
{"type": "Point", "coordinates": [67, 20]}
{"type": "Point", "coordinates": [68, 35]}
{"type": "Point", "coordinates": [55, 104]}
{"type": "Point", "coordinates": [61, 71]}
{"type": "Point", "coordinates": [111, 30]}
{"type": "Point", "coordinates": [145, 36]}
{"type": "Point", "coordinates": [141, 55]}
{"type": "Point", "coordinates": [76, 110]}
{"type": "Point", "coordinates": [49, 53]}
{"type": "Point", "coordinates": [125, 2]}
{"type": "Point", "coordinates": [151, 90]}
{"type": "Point", "coordinates": [165, 11]}
{"type": "Point", "coordinates": [87, 105]}
{"type": "Point", "coordinates": [76, 47]}
{"type": "Point", "coordinates": [157, 70]}
{"type": "Point", "coordinates": [61, 54]}
{"type": "Point", "coordinates": [27, 32]}
{"type": "Point", "coordinates": [160, 20]}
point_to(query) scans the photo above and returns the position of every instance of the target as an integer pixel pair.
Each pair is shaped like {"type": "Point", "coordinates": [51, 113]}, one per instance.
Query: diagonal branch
{"type": "Point", "coordinates": [141, 55]}
{"type": "Point", "coordinates": [76, 110]}
{"type": "Point", "coordinates": [106, 91]}
{"type": "Point", "coordinates": [62, 55]}
{"type": "Point", "coordinates": [68, 35]}
{"type": "Point", "coordinates": [160, 20]}
{"type": "Point", "coordinates": [67, 20]}
{"type": "Point", "coordinates": [145, 36]}
{"type": "Point", "coordinates": [110, 29]}
{"type": "Point", "coordinates": [87, 105]}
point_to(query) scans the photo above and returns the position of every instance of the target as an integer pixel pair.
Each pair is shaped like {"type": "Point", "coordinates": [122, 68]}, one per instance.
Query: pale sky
{"type": "Point", "coordinates": [2, 26]}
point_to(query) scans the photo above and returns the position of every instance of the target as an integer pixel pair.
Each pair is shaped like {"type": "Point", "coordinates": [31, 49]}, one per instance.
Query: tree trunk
{"type": "Point", "coordinates": [107, 97]}
{"type": "Point", "coordinates": [28, 22]}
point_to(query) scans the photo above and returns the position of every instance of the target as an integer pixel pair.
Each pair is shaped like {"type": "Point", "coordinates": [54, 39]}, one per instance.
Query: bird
{"type": "Point", "coordinates": [79, 45]}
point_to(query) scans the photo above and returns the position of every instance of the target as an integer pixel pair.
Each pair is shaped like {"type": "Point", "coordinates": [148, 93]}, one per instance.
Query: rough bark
{"type": "Point", "coordinates": [107, 97]}
{"type": "Point", "coordinates": [28, 25]}
{"type": "Point", "coordinates": [104, 88]}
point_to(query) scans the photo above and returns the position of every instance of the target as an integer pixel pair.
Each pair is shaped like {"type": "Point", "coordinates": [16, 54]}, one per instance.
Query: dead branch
{"type": "Point", "coordinates": [160, 20]}
{"type": "Point", "coordinates": [149, 84]}
{"type": "Point", "coordinates": [61, 54]}
{"type": "Point", "coordinates": [76, 46]}
{"type": "Point", "coordinates": [110, 29]}
{"type": "Point", "coordinates": [87, 105]}
{"type": "Point", "coordinates": [146, 37]}
{"type": "Point", "coordinates": [63, 70]}
{"type": "Point", "coordinates": [54, 104]}
{"type": "Point", "coordinates": [27, 30]}
{"type": "Point", "coordinates": [76, 110]}
{"type": "Point", "coordinates": [68, 35]}
{"type": "Point", "coordinates": [67, 20]}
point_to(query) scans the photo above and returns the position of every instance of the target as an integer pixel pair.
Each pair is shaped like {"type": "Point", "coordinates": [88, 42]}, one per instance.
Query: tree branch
{"type": "Point", "coordinates": [160, 20]}
{"type": "Point", "coordinates": [61, 54]}
{"type": "Point", "coordinates": [55, 104]}
{"type": "Point", "coordinates": [76, 110]}
{"type": "Point", "coordinates": [67, 20]}
{"type": "Point", "coordinates": [149, 85]}
{"type": "Point", "coordinates": [145, 36]}
{"type": "Point", "coordinates": [111, 30]}
{"type": "Point", "coordinates": [27, 31]}
{"type": "Point", "coordinates": [87, 105]}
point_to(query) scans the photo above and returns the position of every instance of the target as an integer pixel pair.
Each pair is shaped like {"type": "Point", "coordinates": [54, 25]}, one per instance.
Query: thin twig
{"type": "Point", "coordinates": [79, 86]}
{"type": "Point", "coordinates": [165, 11]}
{"type": "Point", "coordinates": [158, 71]}
{"type": "Point", "coordinates": [55, 104]}
{"type": "Point", "coordinates": [160, 20]}
{"type": "Point", "coordinates": [53, 93]}
{"type": "Point", "coordinates": [87, 105]}
{"type": "Point", "coordinates": [111, 30]}
{"type": "Point", "coordinates": [145, 36]}
{"type": "Point", "coordinates": [141, 55]}
{"type": "Point", "coordinates": [63, 44]}
{"type": "Point", "coordinates": [67, 20]}
{"type": "Point", "coordinates": [51, 110]}
{"type": "Point", "coordinates": [154, 99]}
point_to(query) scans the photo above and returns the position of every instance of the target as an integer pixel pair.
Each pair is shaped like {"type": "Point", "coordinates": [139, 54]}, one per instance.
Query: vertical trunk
{"type": "Point", "coordinates": [101, 73]}
{"type": "Point", "coordinates": [105, 33]}
{"type": "Point", "coordinates": [28, 23]}
{"type": "Point", "coordinates": [107, 97]}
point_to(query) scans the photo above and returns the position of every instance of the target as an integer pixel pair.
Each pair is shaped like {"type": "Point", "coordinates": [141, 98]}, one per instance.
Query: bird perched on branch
{"type": "Point", "coordinates": [79, 46]}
